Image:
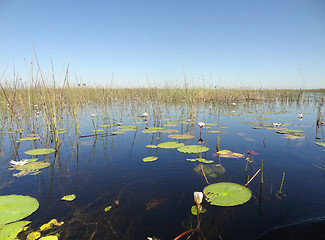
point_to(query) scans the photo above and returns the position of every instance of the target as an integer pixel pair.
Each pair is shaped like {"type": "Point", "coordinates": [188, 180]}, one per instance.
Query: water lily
{"type": "Point", "coordinates": [300, 115]}
{"type": "Point", "coordinates": [18, 163]}
{"type": "Point", "coordinates": [276, 124]}
{"type": "Point", "coordinates": [145, 114]}
{"type": "Point", "coordinates": [201, 124]}
{"type": "Point", "coordinates": [198, 197]}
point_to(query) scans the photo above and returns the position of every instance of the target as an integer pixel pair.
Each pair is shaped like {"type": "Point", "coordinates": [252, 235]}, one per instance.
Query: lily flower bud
{"type": "Point", "coordinates": [201, 124]}
{"type": "Point", "coordinates": [198, 197]}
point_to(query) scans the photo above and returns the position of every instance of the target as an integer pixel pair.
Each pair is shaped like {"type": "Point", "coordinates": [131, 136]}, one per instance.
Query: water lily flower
{"type": "Point", "coordinates": [18, 163]}
{"type": "Point", "coordinates": [276, 124]}
{"type": "Point", "coordinates": [300, 115]}
{"type": "Point", "coordinates": [198, 197]}
{"type": "Point", "coordinates": [93, 115]}
{"type": "Point", "coordinates": [201, 124]}
{"type": "Point", "coordinates": [145, 114]}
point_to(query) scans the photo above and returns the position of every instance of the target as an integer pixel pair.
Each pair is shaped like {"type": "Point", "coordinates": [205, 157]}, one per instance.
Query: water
{"type": "Point", "coordinates": [155, 198]}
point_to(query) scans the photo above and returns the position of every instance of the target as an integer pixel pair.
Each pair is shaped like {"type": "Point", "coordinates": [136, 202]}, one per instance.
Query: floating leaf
{"type": "Point", "coordinates": [211, 124]}
{"type": "Point", "coordinates": [193, 149]}
{"type": "Point", "coordinates": [105, 125]}
{"type": "Point", "coordinates": [168, 131]}
{"type": "Point", "coordinates": [226, 194]}
{"type": "Point", "coordinates": [170, 125]}
{"type": "Point", "coordinates": [170, 145]}
{"type": "Point", "coordinates": [28, 139]}
{"type": "Point", "coordinates": [33, 236]}
{"type": "Point", "coordinates": [200, 160]}
{"type": "Point", "coordinates": [194, 210]}
{"type": "Point", "coordinates": [69, 198]}
{"type": "Point", "coordinates": [180, 136]}
{"type": "Point", "coordinates": [33, 166]}
{"type": "Point", "coordinates": [211, 170]}
{"type": "Point", "coordinates": [117, 132]}
{"type": "Point", "coordinates": [229, 154]}
{"type": "Point", "coordinates": [149, 159]}
{"type": "Point", "coordinates": [10, 231]}
{"type": "Point", "coordinates": [50, 224]}
{"type": "Point", "coordinates": [16, 207]}
{"type": "Point", "coordinates": [290, 131]}
{"type": "Point", "coordinates": [107, 208]}
{"type": "Point", "coordinates": [215, 131]}
{"type": "Point", "coordinates": [150, 131]}
{"type": "Point", "coordinates": [151, 146]}
{"type": "Point", "coordinates": [40, 151]}
{"type": "Point", "coordinates": [320, 144]}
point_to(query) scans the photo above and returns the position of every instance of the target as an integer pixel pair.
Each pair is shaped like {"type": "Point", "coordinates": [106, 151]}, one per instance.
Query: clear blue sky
{"type": "Point", "coordinates": [228, 43]}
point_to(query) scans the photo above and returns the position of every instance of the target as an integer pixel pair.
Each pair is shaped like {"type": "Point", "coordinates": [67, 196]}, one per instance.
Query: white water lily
{"type": "Point", "coordinates": [276, 124]}
{"type": "Point", "coordinates": [201, 124]}
{"type": "Point", "coordinates": [198, 197]}
{"type": "Point", "coordinates": [145, 114]}
{"type": "Point", "coordinates": [300, 115]}
{"type": "Point", "coordinates": [18, 163]}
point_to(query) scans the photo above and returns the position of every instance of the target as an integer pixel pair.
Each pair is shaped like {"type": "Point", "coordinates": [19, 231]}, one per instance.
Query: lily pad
{"type": "Point", "coordinates": [203, 160]}
{"type": "Point", "coordinates": [149, 159]}
{"type": "Point", "coordinates": [52, 237]}
{"type": "Point", "coordinates": [33, 166]}
{"type": "Point", "coordinates": [215, 131]}
{"type": "Point", "coordinates": [105, 125]}
{"type": "Point", "coordinates": [227, 194]}
{"type": "Point", "coordinates": [180, 136]}
{"type": "Point", "coordinates": [33, 236]}
{"type": "Point", "coordinates": [170, 145]}
{"type": "Point", "coordinates": [107, 208]}
{"type": "Point", "coordinates": [69, 198]}
{"type": "Point", "coordinates": [28, 138]}
{"type": "Point", "coordinates": [16, 207]}
{"type": "Point", "coordinates": [320, 144]}
{"type": "Point", "coordinates": [229, 154]}
{"type": "Point", "coordinates": [151, 146]}
{"type": "Point", "coordinates": [40, 151]}
{"type": "Point", "coordinates": [193, 149]}
{"type": "Point", "coordinates": [194, 210]}
{"type": "Point", "coordinates": [168, 131]}
{"type": "Point", "coordinates": [210, 170]}
{"type": "Point", "coordinates": [10, 231]}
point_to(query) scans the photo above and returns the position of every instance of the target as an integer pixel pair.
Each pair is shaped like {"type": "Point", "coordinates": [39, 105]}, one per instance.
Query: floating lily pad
{"type": "Point", "coordinates": [194, 209]}
{"type": "Point", "coordinates": [49, 238]}
{"type": "Point", "coordinates": [290, 131]}
{"type": "Point", "coordinates": [33, 236]}
{"type": "Point", "coordinates": [149, 159]}
{"type": "Point", "coordinates": [33, 166]}
{"type": "Point", "coordinates": [117, 132]}
{"type": "Point", "coordinates": [10, 231]}
{"type": "Point", "coordinates": [28, 139]}
{"type": "Point", "coordinates": [16, 207]}
{"type": "Point", "coordinates": [105, 125]}
{"type": "Point", "coordinates": [150, 131]}
{"type": "Point", "coordinates": [211, 124]}
{"type": "Point", "coordinates": [180, 136]}
{"type": "Point", "coordinates": [69, 198]}
{"type": "Point", "coordinates": [97, 130]}
{"type": "Point", "coordinates": [202, 160]}
{"type": "Point", "coordinates": [229, 154]}
{"type": "Point", "coordinates": [151, 146]}
{"type": "Point", "coordinates": [170, 145]}
{"type": "Point", "coordinates": [170, 125]}
{"type": "Point", "coordinates": [40, 151]}
{"type": "Point", "coordinates": [193, 149]}
{"type": "Point", "coordinates": [168, 131]}
{"type": "Point", "coordinates": [215, 131]}
{"type": "Point", "coordinates": [107, 208]}
{"type": "Point", "coordinates": [320, 144]}
{"type": "Point", "coordinates": [227, 194]}
{"type": "Point", "coordinates": [211, 170]}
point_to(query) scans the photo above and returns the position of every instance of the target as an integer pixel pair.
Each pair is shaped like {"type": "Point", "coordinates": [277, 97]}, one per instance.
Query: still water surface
{"type": "Point", "coordinates": [155, 198]}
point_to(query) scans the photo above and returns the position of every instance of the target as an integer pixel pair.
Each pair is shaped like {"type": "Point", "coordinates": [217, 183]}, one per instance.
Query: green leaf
{"type": "Point", "coordinates": [33, 166]}
{"type": "Point", "coordinates": [193, 149]}
{"type": "Point", "coordinates": [149, 159]}
{"type": "Point", "coordinates": [320, 144]}
{"type": "Point", "coordinates": [40, 151]}
{"type": "Point", "coordinates": [28, 138]}
{"type": "Point", "coordinates": [151, 146]}
{"type": "Point", "coordinates": [170, 145]}
{"type": "Point", "coordinates": [107, 208]}
{"type": "Point", "coordinates": [16, 207]}
{"type": "Point", "coordinates": [69, 198]}
{"type": "Point", "coordinates": [194, 209]}
{"type": "Point", "coordinates": [227, 194]}
{"type": "Point", "coordinates": [10, 231]}
{"type": "Point", "coordinates": [49, 238]}
{"type": "Point", "coordinates": [180, 136]}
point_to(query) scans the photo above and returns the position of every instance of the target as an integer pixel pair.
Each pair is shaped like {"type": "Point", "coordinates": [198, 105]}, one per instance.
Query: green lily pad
{"type": "Point", "coordinates": [320, 144]}
{"type": "Point", "coordinates": [215, 131]}
{"type": "Point", "coordinates": [107, 208]}
{"type": "Point", "coordinates": [16, 207]}
{"type": "Point", "coordinates": [229, 154]}
{"type": "Point", "coordinates": [170, 125]}
{"type": "Point", "coordinates": [193, 149]}
{"type": "Point", "coordinates": [203, 160]}
{"type": "Point", "coordinates": [40, 151]}
{"type": "Point", "coordinates": [290, 131]}
{"type": "Point", "coordinates": [227, 194]}
{"type": "Point", "coordinates": [69, 198]}
{"type": "Point", "coordinates": [180, 136]}
{"type": "Point", "coordinates": [33, 236]}
{"type": "Point", "coordinates": [149, 159]}
{"type": "Point", "coordinates": [105, 125]}
{"type": "Point", "coordinates": [28, 138]}
{"type": "Point", "coordinates": [168, 131]}
{"type": "Point", "coordinates": [10, 231]}
{"type": "Point", "coordinates": [210, 170]}
{"type": "Point", "coordinates": [170, 145]}
{"type": "Point", "coordinates": [117, 132]}
{"type": "Point", "coordinates": [33, 166]}
{"type": "Point", "coordinates": [194, 210]}
{"type": "Point", "coordinates": [150, 131]}
{"type": "Point", "coordinates": [151, 146]}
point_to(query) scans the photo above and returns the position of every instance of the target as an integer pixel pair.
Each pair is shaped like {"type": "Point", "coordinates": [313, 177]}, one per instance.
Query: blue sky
{"type": "Point", "coordinates": [229, 43]}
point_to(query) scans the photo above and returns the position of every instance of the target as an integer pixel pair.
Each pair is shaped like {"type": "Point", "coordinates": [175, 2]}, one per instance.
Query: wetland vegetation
{"type": "Point", "coordinates": [123, 163]}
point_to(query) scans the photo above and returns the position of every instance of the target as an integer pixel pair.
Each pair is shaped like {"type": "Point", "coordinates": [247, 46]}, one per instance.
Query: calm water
{"type": "Point", "coordinates": [155, 198]}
